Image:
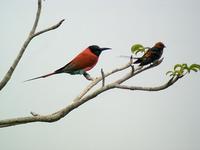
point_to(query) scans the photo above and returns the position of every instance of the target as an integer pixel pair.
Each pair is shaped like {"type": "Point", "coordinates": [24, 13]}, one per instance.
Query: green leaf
{"type": "Point", "coordinates": [180, 72]}
{"type": "Point", "coordinates": [185, 67]}
{"type": "Point", "coordinates": [137, 48]}
{"type": "Point", "coordinates": [169, 72]}
{"type": "Point", "coordinates": [197, 66]}
{"type": "Point", "coordinates": [180, 69]}
{"type": "Point", "coordinates": [172, 75]}
{"type": "Point", "coordinates": [194, 69]}
{"type": "Point", "coordinates": [179, 66]}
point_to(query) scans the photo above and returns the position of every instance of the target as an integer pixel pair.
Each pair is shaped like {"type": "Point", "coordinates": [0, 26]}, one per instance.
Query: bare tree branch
{"type": "Point", "coordinates": [34, 114]}
{"type": "Point", "coordinates": [31, 35]}
{"type": "Point", "coordinates": [49, 29]}
{"type": "Point", "coordinates": [158, 88]}
{"type": "Point", "coordinates": [35, 24]}
{"type": "Point", "coordinates": [84, 96]}
{"type": "Point", "coordinates": [98, 79]}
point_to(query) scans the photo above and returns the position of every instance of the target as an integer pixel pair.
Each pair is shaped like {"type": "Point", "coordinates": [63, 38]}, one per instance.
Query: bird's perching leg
{"type": "Point", "coordinates": [87, 76]}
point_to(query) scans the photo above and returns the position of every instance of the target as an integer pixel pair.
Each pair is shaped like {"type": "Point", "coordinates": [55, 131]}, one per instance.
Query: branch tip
{"type": "Point", "coordinates": [62, 20]}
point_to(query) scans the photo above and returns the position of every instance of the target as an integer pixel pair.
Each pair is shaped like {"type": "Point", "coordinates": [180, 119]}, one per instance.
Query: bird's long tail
{"type": "Point", "coordinates": [125, 56]}
{"type": "Point", "coordinates": [44, 76]}
{"type": "Point", "coordinates": [139, 60]}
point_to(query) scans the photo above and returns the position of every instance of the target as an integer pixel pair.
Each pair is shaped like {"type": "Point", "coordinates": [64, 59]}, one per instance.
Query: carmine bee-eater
{"type": "Point", "coordinates": [151, 55]}
{"type": "Point", "coordinates": [82, 63]}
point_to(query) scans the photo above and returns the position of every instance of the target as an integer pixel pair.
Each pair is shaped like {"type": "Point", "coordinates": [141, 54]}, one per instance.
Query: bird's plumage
{"type": "Point", "coordinates": [151, 55]}
{"type": "Point", "coordinates": [83, 62]}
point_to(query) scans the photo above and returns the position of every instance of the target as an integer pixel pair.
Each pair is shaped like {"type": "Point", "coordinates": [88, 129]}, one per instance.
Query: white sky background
{"type": "Point", "coordinates": [117, 119]}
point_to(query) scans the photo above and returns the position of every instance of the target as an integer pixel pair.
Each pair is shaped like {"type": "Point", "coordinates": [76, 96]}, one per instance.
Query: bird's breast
{"type": "Point", "coordinates": [84, 61]}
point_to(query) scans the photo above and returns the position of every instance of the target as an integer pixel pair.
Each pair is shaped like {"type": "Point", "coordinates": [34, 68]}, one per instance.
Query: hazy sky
{"type": "Point", "coordinates": [117, 119]}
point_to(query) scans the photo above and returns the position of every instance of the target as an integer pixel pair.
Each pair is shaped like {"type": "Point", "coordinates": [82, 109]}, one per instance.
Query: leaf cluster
{"type": "Point", "coordinates": [182, 69]}
{"type": "Point", "coordinates": [136, 48]}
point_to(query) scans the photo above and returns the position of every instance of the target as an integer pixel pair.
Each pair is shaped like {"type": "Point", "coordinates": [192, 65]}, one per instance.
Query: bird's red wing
{"type": "Point", "coordinates": [84, 61]}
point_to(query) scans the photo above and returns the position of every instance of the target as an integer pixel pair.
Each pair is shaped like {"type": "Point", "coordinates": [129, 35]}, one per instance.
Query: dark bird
{"type": "Point", "coordinates": [82, 63]}
{"type": "Point", "coordinates": [151, 55]}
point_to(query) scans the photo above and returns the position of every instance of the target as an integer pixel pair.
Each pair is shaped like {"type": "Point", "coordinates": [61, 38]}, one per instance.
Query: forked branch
{"type": "Point", "coordinates": [85, 96]}
{"type": "Point", "coordinates": [31, 35]}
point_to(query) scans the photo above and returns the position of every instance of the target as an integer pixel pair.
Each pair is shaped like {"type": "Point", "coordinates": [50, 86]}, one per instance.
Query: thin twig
{"type": "Point", "coordinates": [50, 28]}
{"type": "Point", "coordinates": [16, 61]}
{"type": "Point", "coordinates": [34, 114]}
{"type": "Point", "coordinates": [103, 77]}
{"type": "Point", "coordinates": [35, 24]}
{"type": "Point", "coordinates": [31, 35]}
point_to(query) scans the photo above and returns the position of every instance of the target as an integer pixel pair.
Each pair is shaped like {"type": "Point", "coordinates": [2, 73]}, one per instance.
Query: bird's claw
{"type": "Point", "coordinates": [87, 76]}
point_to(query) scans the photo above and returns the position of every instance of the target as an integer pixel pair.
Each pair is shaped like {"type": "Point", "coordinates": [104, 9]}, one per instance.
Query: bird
{"type": "Point", "coordinates": [82, 63]}
{"type": "Point", "coordinates": [152, 54]}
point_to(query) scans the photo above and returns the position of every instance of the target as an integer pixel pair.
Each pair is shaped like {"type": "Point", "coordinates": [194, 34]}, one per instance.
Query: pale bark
{"type": "Point", "coordinates": [85, 96]}
{"type": "Point", "coordinates": [31, 35]}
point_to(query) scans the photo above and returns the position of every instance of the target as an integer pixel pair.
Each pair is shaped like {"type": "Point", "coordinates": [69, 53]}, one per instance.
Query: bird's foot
{"type": "Point", "coordinates": [87, 76]}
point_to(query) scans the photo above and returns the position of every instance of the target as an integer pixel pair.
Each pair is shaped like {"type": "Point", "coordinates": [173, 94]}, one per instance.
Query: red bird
{"type": "Point", "coordinates": [151, 55]}
{"type": "Point", "coordinates": [83, 62]}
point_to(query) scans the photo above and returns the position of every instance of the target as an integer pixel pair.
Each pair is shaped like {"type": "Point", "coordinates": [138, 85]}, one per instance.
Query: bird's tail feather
{"type": "Point", "coordinates": [138, 61]}
{"type": "Point", "coordinates": [44, 76]}
{"type": "Point", "coordinates": [125, 56]}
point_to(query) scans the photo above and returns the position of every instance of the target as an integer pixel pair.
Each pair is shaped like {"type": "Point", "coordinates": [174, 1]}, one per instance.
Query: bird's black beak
{"type": "Point", "coordinates": [103, 49]}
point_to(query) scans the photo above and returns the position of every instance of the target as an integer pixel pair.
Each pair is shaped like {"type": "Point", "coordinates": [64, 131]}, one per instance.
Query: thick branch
{"type": "Point", "coordinates": [31, 35]}
{"type": "Point", "coordinates": [82, 98]}
{"type": "Point", "coordinates": [137, 71]}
